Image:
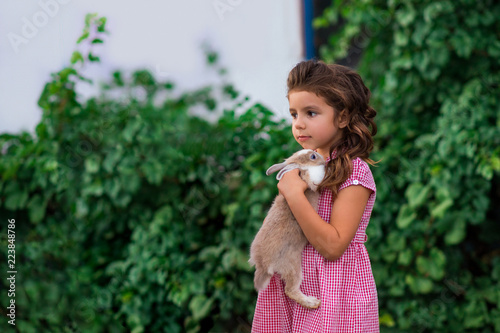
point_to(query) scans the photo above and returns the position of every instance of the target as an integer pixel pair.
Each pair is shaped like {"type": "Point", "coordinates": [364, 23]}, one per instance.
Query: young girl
{"type": "Point", "coordinates": [330, 114]}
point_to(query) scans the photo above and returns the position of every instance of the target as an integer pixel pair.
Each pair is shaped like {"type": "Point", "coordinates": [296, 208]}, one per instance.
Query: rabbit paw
{"type": "Point", "coordinates": [311, 302]}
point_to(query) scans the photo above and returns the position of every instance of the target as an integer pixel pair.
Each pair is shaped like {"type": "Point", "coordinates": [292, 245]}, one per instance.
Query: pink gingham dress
{"type": "Point", "coordinates": [345, 286]}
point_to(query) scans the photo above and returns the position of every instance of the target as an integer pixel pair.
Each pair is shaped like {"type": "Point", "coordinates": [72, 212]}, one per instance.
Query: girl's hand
{"type": "Point", "coordinates": [291, 184]}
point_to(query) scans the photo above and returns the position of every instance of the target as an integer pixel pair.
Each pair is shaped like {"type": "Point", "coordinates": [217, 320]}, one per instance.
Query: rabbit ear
{"type": "Point", "coordinates": [275, 168]}
{"type": "Point", "coordinates": [286, 169]}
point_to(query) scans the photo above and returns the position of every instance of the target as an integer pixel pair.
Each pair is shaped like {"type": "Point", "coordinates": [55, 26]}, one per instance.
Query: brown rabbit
{"type": "Point", "coordinates": [277, 247]}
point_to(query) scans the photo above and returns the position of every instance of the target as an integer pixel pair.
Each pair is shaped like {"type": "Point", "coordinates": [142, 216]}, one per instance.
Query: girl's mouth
{"type": "Point", "coordinates": [303, 138]}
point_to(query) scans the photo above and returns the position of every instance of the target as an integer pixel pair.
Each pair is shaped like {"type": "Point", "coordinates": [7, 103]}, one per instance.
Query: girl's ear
{"type": "Point", "coordinates": [342, 120]}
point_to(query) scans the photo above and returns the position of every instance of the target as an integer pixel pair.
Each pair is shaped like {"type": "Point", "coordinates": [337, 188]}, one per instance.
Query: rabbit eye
{"type": "Point", "coordinates": [313, 156]}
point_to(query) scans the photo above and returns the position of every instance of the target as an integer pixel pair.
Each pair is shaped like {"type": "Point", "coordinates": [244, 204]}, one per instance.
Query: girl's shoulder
{"type": "Point", "coordinates": [360, 175]}
{"type": "Point", "coordinates": [360, 166]}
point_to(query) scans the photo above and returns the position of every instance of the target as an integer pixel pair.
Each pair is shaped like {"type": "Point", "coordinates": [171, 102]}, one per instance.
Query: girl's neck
{"type": "Point", "coordinates": [323, 153]}
{"type": "Point", "coordinates": [326, 154]}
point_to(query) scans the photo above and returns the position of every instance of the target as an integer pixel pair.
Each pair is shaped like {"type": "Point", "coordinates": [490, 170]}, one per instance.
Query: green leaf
{"type": "Point", "coordinates": [405, 257]}
{"type": "Point", "coordinates": [76, 57]}
{"type": "Point", "coordinates": [212, 57]}
{"type": "Point", "coordinates": [475, 314]}
{"type": "Point", "coordinates": [138, 329]}
{"type": "Point", "coordinates": [10, 170]}
{"type": "Point", "coordinates": [91, 165]}
{"type": "Point", "coordinates": [153, 170]}
{"type": "Point", "coordinates": [395, 242]}
{"type": "Point", "coordinates": [95, 188]}
{"type": "Point", "coordinates": [419, 285]}
{"type": "Point", "coordinates": [387, 320]}
{"type": "Point", "coordinates": [405, 217]}
{"type": "Point", "coordinates": [84, 36]}
{"type": "Point", "coordinates": [256, 177]}
{"type": "Point", "coordinates": [82, 209]}
{"type": "Point", "coordinates": [66, 72]}
{"type": "Point", "coordinates": [93, 58]}
{"type": "Point", "coordinates": [36, 208]}
{"type": "Point", "coordinates": [457, 232]}
{"type": "Point", "coordinates": [230, 211]}
{"type": "Point", "coordinates": [131, 129]}
{"type": "Point", "coordinates": [112, 158]}
{"type": "Point", "coordinates": [462, 42]}
{"type": "Point", "coordinates": [406, 15]}
{"type": "Point", "coordinates": [200, 306]}
{"type": "Point", "coordinates": [401, 38]}
{"type": "Point", "coordinates": [433, 266]}
{"type": "Point", "coordinates": [495, 273]}
{"type": "Point", "coordinates": [417, 194]}
{"type": "Point", "coordinates": [26, 326]}
{"type": "Point", "coordinates": [16, 197]}
{"type": "Point", "coordinates": [494, 49]}
{"type": "Point", "coordinates": [439, 210]}
{"type": "Point", "coordinates": [101, 24]}
{"type": "Point", "coordinates": [89, 18]}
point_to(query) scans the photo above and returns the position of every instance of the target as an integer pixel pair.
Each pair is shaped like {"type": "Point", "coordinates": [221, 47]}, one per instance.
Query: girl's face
{"type": "Point", "coordinates": [313, 124]}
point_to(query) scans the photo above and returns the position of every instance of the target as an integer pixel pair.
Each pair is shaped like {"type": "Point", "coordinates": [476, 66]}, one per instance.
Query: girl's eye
{"type": "Point", "coordinates": [294, 115]}
{"type": "Point", "coordinates": [312, 113]}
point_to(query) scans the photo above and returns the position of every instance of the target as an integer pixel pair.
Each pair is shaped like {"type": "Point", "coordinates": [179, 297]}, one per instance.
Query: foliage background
{"type": "Point", "coordinates": [134, 214]}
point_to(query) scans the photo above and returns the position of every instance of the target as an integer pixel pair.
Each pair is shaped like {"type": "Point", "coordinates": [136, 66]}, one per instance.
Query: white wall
{"type": "Point", "coordinates": [258, 42]}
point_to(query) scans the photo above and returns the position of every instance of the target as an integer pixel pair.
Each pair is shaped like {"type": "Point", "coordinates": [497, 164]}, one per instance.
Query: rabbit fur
{"type": "Point", "coordinates": [278, 245]}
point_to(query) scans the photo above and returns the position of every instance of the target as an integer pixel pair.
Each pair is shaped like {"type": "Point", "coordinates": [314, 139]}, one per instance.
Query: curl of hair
{"type": "Point", "coordinates": [343, 89]}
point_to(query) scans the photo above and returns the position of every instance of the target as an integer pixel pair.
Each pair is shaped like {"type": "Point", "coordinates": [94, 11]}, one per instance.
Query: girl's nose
{"type": "Point", "coordinates": [298, 123]}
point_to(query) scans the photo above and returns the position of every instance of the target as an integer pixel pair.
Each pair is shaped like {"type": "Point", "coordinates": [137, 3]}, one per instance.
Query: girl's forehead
{"type": "Point", "coordinates": [303, 91]}
{"type": "Point", "coordinates": [304, 96]}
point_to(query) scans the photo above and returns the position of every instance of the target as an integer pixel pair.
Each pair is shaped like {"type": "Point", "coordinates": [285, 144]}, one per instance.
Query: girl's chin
{"type": "Point", "coordinates": [306, 146]}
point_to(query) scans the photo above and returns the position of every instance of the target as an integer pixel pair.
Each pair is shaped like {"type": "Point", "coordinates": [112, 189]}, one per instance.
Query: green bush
{"type": "Point", "coordinates": [434, 71]}
{"type": "Point", "coordinates": [132, 214]}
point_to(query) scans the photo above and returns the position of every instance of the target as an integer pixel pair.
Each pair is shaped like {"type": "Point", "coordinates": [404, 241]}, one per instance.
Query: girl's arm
{"type": "Point", "coordinates": [330, 240]}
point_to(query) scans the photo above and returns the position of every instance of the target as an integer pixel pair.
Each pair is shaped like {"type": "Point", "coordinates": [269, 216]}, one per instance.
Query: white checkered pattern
{"type": "Point", "coordinates": [345, 286]}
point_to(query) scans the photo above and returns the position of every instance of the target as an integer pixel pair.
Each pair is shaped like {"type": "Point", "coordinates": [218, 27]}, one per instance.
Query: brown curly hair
{"type": "Point", "coordinates": [343, 89]}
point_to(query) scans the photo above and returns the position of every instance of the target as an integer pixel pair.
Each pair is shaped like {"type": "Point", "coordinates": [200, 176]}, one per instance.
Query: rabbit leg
{"type": "Point", "coordinates": [293, 279]}
{"type": "Point", "coordinates": [261, 278]}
